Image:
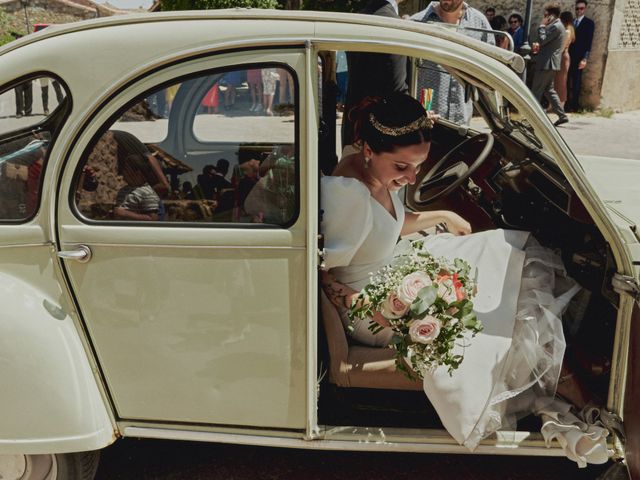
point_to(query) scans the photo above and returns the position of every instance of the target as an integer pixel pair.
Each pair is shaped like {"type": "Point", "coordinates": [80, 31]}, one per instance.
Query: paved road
{"type": "Point", "coordinates": [164, 460]}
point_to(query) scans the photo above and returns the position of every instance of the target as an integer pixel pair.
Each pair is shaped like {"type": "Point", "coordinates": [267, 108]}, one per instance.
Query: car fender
{"type": "Point", "coordinates": [50, 402]}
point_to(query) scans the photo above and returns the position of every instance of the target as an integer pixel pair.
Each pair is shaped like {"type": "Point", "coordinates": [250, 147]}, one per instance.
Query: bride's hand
{"type": "Point", "coordinates": [456, 224]}
{"type": "Point", "coordinates": [380, 320]}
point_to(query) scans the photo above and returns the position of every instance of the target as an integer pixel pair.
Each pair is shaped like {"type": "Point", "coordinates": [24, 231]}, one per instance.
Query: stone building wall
{"type": "Point", "coordinates": [608, 80]}
{"type": "Point", "coordinates": [621, 88]}
{"type": "Point", "coordinates": [51, 11]}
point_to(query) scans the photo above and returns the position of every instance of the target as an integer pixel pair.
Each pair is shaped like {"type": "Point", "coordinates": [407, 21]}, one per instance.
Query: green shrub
{"type": "Point", "coordinates": [5, 37]}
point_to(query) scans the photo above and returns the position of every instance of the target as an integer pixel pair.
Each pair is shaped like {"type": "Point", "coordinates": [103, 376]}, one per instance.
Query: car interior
{"type": "Point", "coordinates": [496, 174]}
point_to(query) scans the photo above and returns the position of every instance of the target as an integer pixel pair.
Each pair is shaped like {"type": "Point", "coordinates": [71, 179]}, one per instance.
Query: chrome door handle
{"type": "Point", "coordinates": [81, 254]}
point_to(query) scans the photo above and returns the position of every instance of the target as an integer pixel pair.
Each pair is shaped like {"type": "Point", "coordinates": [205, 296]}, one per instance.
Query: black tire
{"type": "Point", "coordinates": [77, 466]}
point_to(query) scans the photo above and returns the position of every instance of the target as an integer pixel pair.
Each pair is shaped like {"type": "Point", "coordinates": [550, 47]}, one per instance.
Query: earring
{"type": "Point", "coordinates": [366, 162]}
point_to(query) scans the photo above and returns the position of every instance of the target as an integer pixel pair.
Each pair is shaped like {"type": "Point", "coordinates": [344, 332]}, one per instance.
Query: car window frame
{"type": "Point", "coordinates": [111, 120]}
{"type": "Point", "coordinates": [58, 123]}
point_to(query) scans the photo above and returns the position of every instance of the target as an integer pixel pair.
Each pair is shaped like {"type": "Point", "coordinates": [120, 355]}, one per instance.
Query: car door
{"type": "Point", "coordinates": [185, 236]}
{"type": "Point", "coordinates": [632, 397]}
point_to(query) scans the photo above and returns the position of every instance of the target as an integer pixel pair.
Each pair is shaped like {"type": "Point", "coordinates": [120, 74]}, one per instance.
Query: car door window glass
{"type": "Point", "coordinates": [220, 149]}
{"type": "Point", "coordinates": [31, 112]}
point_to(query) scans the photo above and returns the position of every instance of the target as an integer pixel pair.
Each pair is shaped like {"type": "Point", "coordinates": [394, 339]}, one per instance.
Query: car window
{"type": "Point", "coordinates": [217, 148]}
{"type": "Point", "coordinates": [31, 112]}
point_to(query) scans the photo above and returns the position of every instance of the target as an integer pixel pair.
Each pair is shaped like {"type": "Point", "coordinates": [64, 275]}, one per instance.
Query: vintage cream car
{"type": "Point", "coordinates": [150, 289]}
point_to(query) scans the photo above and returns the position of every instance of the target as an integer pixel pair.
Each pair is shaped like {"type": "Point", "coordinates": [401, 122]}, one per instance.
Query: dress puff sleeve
{"type": "Point", "coordinates": [346, 220]}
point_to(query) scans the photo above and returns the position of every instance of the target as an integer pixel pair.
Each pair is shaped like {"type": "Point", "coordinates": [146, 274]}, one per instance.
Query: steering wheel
{"type": "Point", "coordinates": [445, 169]}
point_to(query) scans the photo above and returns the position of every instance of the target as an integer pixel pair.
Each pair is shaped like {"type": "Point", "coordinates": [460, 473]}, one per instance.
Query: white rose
{"type": "Point", "coordinates": [393, 307]}
{"type": "Point", "coordinates": [425, 330]}
{"type": "Point", "coordinates": [411, 285]}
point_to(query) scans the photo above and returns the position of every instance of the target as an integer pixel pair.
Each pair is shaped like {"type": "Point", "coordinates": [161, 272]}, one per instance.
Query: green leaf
{"type": "Point", "coordinates": [470, 321]}
{"type": "Point", "coordinates": [426, 297]}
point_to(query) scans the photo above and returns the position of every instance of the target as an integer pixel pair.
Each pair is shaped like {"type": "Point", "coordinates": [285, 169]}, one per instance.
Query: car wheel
{"type": "Point", "coordinates": [61, 466]}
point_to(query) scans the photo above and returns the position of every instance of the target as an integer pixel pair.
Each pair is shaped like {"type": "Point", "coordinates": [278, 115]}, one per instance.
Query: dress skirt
{"type": "Point", "coordinates": [511, 368]}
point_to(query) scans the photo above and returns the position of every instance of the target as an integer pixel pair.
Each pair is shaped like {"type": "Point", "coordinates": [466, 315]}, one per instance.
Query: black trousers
{"type": "Point", "coordinates": [24, 98]}
{"type": "Point", "coordinates": [45, 94]}
{"type": "Point", "coordinates": [574, 84]}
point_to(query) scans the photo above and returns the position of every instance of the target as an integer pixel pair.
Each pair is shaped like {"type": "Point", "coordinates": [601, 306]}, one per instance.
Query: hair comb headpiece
{"type": "Point", "coordinates": [418, 124]}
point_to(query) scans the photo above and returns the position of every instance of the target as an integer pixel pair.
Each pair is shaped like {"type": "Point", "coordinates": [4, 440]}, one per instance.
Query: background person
{"type": "Point", "coordinates": [270, 79]}
{"type": "Point", "coordinates": [254, 79]}
{"type": "Point", "coordinates": [490, 12]}
{"type": "Point", "coordinates": [562, 75]}
{"type": "Point", "coordinates": [373, 74]}
{"type": "Point", "coordinates": [342, 78]}
{"type": "Point", "coordinates": [449, 99]}
{"type": "Point", "coordinates": [548, 50]}
{"type": "Point", "coordinates": [516, 31]}
{"type": "Point", "coordinates": [499, 23]}
{"type": "Point", "coordinates": [579, 53]}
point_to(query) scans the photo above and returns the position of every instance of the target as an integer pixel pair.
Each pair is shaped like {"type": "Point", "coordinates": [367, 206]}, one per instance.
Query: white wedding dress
{"type": "Point", "coordinates": [511, 368]}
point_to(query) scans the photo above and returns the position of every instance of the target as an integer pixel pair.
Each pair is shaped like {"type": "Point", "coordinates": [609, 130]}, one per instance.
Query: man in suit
{"type": "Point", "coordinates": [579, 53]}
{"type": "Point", "coordinates": [516, 31]}
{"type": "Point", "coordinates": [373, 74]}
{"type": "Point", "coordinates": [551, 35]}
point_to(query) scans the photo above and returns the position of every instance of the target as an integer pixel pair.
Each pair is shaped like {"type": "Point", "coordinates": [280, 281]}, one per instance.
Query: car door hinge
{"type": "Point", "coordinates": [626, 285]}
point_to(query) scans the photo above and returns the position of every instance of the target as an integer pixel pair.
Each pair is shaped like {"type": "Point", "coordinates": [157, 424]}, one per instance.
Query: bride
{"type": "Point", "coordinates": [512, 367]}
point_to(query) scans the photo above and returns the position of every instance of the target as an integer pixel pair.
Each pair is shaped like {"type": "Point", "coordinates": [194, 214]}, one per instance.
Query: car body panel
{"type": "Point", "coordinates": [50, 400]}
{"type": "Point", "coordinates": [631, 413]}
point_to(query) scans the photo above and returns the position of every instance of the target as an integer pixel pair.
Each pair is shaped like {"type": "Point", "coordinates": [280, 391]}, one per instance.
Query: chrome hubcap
{"type": "Point", "coordinates": [28, 467]}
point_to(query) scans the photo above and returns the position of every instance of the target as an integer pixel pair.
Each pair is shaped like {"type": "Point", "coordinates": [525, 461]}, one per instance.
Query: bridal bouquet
{"type": "Point", "coordinates": [427, 302]}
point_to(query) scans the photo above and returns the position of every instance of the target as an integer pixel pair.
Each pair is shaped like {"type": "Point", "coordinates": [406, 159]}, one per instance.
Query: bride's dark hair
{"type": "Point", "coordinates": [386, 123]}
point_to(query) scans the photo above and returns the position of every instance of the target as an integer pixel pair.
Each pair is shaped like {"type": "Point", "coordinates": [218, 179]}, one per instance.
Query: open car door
{"type": "Point", "coordinates": [632, 396]}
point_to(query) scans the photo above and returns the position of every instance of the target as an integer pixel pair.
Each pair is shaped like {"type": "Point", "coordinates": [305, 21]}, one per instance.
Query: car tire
{"type": "Point", "coordinates": [59, 466]}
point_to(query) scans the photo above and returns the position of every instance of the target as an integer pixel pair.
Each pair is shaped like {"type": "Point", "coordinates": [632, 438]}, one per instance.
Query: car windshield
{"type": "Point", "coordinates": [470, 102]}
{"type": "Point", "coordinates": [506, 117]}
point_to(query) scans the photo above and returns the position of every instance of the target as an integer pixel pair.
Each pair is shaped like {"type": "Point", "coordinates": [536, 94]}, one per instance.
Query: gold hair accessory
{"type": "Point", "coordinates": [418, 124]}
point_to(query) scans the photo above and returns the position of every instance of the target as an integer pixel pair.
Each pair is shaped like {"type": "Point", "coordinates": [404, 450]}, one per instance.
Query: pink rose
{"type": "Point", "coordinates": [411, 285]}
{"type": "Point", "coordinates": [393, 307]}
{"type": "Point", "coordinates": [425, 330]}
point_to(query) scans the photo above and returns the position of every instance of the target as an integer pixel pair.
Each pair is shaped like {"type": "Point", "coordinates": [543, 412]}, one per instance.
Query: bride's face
{"type": "Point", "coordinates": [398, 168]}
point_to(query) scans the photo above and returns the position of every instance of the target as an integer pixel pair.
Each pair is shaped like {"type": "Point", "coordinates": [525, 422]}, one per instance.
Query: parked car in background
{"type": "Point", "coordinates": [145, 294]}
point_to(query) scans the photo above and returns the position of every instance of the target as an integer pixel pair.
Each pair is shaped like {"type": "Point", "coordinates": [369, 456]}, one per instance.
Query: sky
{"type": "Point", "coordinates": [128, 3]}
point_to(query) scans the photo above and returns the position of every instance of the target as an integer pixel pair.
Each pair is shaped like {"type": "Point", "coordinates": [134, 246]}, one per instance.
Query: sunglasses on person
{"type": "Point", "coordinates": [579, 9]}
{"type": "Point", "coordinates": [513, 21]}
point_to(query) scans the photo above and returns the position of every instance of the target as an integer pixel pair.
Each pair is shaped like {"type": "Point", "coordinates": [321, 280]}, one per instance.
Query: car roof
{"type": "Point", "coordinates": [511, 59]}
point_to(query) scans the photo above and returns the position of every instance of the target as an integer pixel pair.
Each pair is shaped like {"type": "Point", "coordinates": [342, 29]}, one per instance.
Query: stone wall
{"type": "Point", "coordinates": [621, 89]}
{"type": "Point", "coordinates": [608, 80]}
{"type": "Point", "coordinates": [51, 12]}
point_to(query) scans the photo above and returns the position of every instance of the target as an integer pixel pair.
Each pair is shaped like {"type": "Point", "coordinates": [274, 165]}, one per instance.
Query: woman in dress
{"type": "Point", "coordinates": [560, 81]}
{"type": "Point", "coordinates": [511, 368]}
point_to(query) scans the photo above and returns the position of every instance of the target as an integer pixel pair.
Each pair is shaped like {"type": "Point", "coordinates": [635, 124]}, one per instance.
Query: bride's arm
{"type": "Point", "coordinates": [341, 296]}
{"type": "Point", "coordinates": [414, 222]}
